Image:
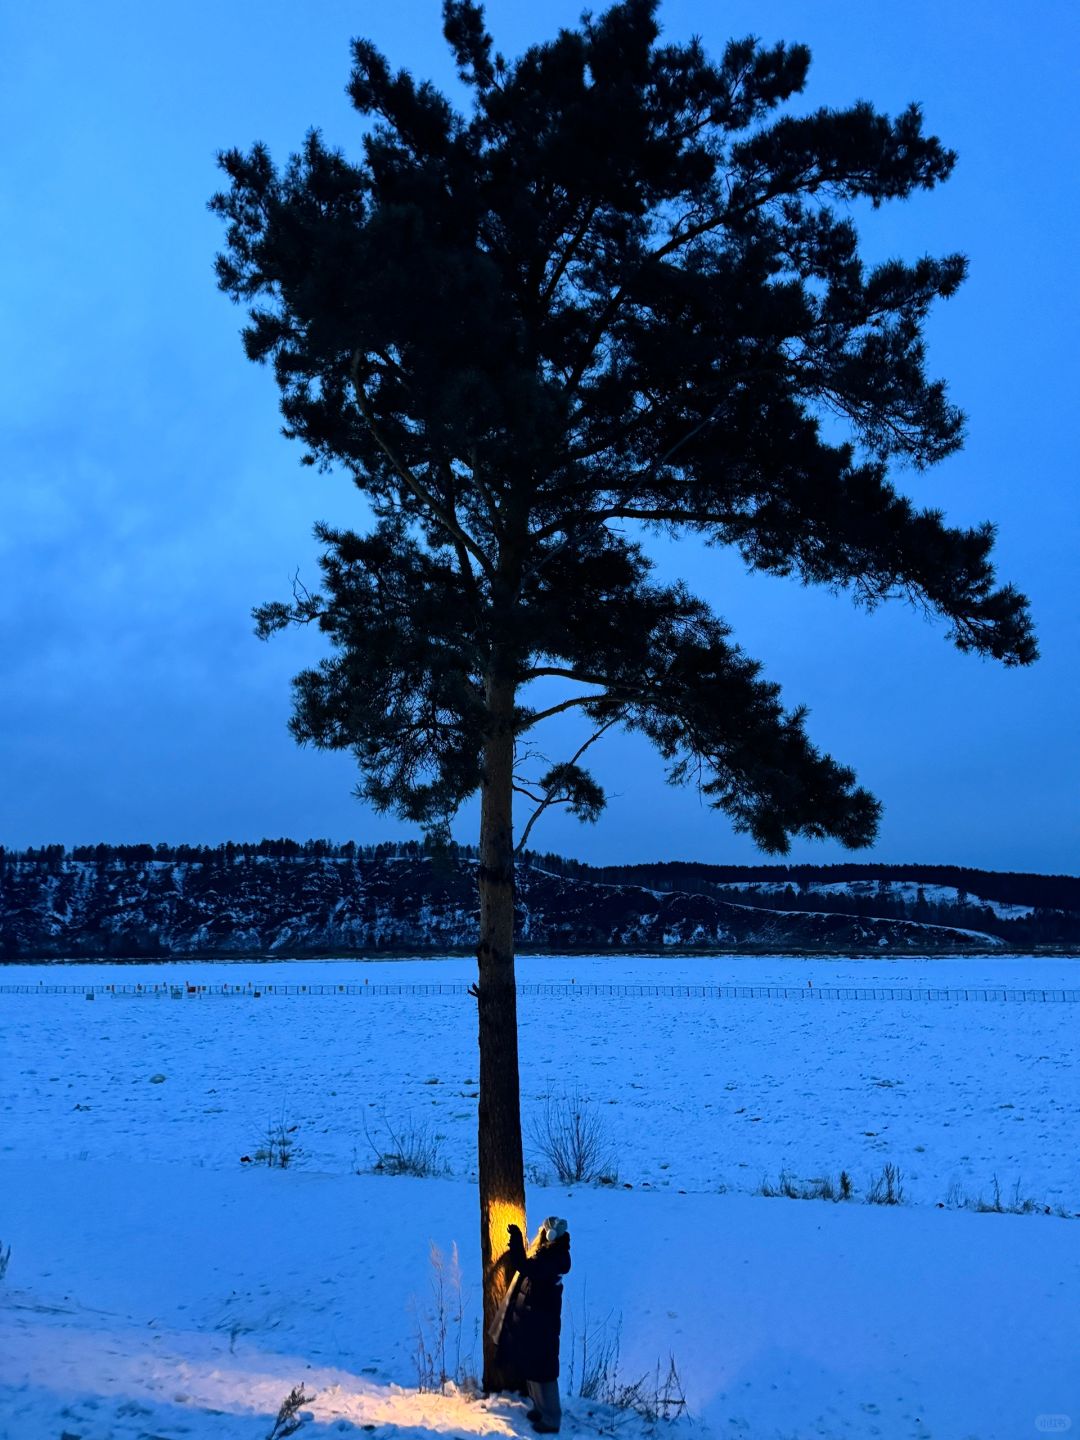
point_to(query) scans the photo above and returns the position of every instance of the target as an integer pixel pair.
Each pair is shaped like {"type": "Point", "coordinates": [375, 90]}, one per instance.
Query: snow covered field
{"type": "Point", "coordinates": [694, 1094]}
{"type": "Point", "coordinates": [159, 1288]}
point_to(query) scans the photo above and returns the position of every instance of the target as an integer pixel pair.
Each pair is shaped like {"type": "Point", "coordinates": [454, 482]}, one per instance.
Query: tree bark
{"type": "Point", "coordinates": [501, 1166]}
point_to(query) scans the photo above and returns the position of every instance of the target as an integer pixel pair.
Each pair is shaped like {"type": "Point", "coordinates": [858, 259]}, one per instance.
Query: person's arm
{"type": "Point", "coordinates": [516, 1249]}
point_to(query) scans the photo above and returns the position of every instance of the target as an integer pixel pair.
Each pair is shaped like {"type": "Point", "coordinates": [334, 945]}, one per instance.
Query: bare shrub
{"type": "Point", "coordinates": [956, 1198]}
{"type": "Point", "coordinates": [669, 1395]}
{"type": "Point", "coordinates": [407, 1149]}
{"type": "Point", "coordinates": [768, 1189]}
{"type": "Point", "coordinates": [993, 1206]}
{"type": "Point", "coordinates": [595, 1367]}
{"type": "Point", "coordinates": [821, 1187]}
{"type": "Point", "coordinates": [438, 1352]}
{"type": "Point", "coordinates": [278, 1149]}
{"type": "Point", "coordinates": [888, 1187]}
{"type": "Point", "coordinates": [288, 1420]}
{"type": "Point", "coordinates": [659, 1396]}
{"type": "Point", "coordinates": [535, 1174]}
{"type": "Point", "coordinates": [599, 1352]}
{"type": "Point", "coordinates": [1023, 1204]}
{"type": "Point", "coordinates": [573, 1139]}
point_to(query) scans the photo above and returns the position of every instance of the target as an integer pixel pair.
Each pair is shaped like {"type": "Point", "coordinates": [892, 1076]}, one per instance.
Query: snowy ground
{"type": "Point", "coordinates": [160, 1288]}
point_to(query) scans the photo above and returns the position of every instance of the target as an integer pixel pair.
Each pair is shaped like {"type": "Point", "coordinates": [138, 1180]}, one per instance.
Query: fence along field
{"type": "Point", "coordinates": [557, 990]}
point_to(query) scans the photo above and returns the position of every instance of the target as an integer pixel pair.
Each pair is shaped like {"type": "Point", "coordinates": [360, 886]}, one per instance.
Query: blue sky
{"type": "Point", "coordinates": [147, 500]}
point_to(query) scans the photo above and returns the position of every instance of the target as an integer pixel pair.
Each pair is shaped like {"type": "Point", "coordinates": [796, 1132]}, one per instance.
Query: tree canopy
{"type": "Point", "coordinates": [617, 287]}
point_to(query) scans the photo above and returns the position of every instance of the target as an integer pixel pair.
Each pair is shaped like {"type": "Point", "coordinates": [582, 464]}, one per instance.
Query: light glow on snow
{"type": "Point", "coordinates": [124, 1368]}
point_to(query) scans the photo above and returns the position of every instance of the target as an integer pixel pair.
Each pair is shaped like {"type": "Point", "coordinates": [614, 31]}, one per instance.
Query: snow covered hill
{"type": "Point", "coordinates": [319, 904]}
{"type": "Point", "coordinates": [911, 892]}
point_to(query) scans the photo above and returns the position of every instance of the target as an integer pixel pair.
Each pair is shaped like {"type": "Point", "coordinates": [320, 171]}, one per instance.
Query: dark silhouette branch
{"type": "Point", "coordinates": [431, 504]}
{"type": "Point", "coordinates": [553, 797]}
{"type": "Point", "coordinates": [558, 709]}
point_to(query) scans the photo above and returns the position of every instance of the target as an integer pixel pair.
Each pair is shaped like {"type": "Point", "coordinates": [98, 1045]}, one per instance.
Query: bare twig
{"type": "Point", "coordinates": [552, 797]}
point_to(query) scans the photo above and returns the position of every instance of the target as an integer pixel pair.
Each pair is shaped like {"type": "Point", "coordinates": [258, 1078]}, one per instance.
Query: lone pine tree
{"type": "Point", "coordinates": [616, 294]}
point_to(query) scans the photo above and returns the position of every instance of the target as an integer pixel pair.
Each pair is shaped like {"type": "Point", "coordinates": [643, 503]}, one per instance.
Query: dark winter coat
{"type": "Point", "coordinates": [529, 1342]}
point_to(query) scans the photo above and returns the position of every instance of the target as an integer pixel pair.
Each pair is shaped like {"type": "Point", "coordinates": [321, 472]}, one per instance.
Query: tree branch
{"type": "Point", "coordinates": [537, 671]}
{"type": "Point", "coordinates": [564, 260]}
{"type": "Point", "coordinates": [446, 518]}
{"type": "Point", "coordinates": [552, 797]}
{"type": "Point", "coordinates": [557, 710]}
{"type": "Point", "coordinates": [486, 495]}
{"type": "Point", "coordinates": [621, 512]}
{"type": "Point", "coordinates": [676, 242]}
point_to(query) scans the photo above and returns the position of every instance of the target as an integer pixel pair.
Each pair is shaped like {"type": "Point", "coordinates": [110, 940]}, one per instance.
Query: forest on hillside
{"type": "Point", "coordinates": [1009, 887]}
{"type": "Point", "coordinates": [1025, 910]}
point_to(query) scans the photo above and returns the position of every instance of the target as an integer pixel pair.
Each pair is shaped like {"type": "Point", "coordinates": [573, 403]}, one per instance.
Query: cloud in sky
{"type": "Point", "coordinates": [147, 500]}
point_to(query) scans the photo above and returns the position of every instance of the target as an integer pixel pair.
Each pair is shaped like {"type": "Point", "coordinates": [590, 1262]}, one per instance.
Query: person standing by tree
{"type": "Point", "coordinates": [528, 1338]}
{"type": "Point", "coordinates": [616, 295]}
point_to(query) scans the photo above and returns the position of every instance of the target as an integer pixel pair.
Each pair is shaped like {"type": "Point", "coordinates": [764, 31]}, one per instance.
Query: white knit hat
{"type": "Point", "coordinates": [555, 1228]}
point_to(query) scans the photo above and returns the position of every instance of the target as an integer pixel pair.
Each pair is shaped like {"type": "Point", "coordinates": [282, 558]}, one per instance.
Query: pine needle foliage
{"type": "Point", "coordinates": [618, 292]}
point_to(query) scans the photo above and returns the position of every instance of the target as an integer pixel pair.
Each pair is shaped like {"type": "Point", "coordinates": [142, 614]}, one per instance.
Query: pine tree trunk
{"type": "Point", "coordinates": [501, 1167]}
